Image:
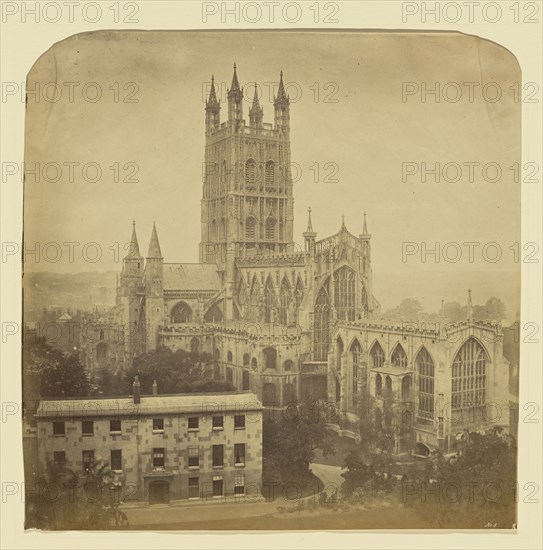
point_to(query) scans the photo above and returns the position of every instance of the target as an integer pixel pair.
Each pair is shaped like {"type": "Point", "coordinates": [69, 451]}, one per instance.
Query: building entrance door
{"type": "Point", "coordinates": [159, 492]}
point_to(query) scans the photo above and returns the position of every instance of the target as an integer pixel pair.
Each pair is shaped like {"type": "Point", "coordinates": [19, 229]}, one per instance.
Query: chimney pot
{"type": "Point", "coordinates": [136, 388]}
{"type": "Point", "coordinates": [155, 388]}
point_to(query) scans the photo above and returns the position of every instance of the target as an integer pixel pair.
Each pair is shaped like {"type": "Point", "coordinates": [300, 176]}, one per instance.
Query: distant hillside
{"type": "Point", "coordinates": [67, 291]}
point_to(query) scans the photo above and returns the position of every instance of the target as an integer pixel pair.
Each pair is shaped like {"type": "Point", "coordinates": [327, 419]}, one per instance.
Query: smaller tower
{"type": "Point", "coordinates": [256, 113]}
{"type": "Point", "coordinates": [213, 109]}
{"type": "Point", "coordinates": [154, 296]}
{"type": "Point", "coordinates": [235, 102]}
{"type": "Point", "coordinates": [470, 307]}
{"type": "Point", "coordinates": [281, 106]}
{"type": "Point", "coordinates": [309, 235]}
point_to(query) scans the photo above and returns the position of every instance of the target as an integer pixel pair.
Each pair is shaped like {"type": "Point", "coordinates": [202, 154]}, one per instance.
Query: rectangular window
{"type": "Point", "coordinates": [88, 461]}
{"type": "Point", "coordinates": [217, 486]}
{"type": "Point", "coordinates": [239, 453]}
{"type": "Point", "coordinates": [194, 457]}
{"type": "Point", "coordinates": [239, 421]}
{"type": "Point", "coordinates": [59, 458]}
{"type": "Point", "coordinates": [158, 425]}
{"type": "Point", "coordinates": [58, 428]}
{"type": "Point", "coordinates": [115, 426]}
{"type": "Point", "coordinates": [87, 427]}
{"type": "Point", "coordinates": [239, 484]}
{"type": "Point", "coordinates": [117, 460]}
{"type": "Point", "coordinates": [194, 487]}
{"type": "Point", "coordinates": [158, 458]}
{"type": "Point", "coordinates": [194, 423]}
{"type": "Point", "coordinates": [218, 456]}
{"type": "Point", "coordinates": [218, 423]}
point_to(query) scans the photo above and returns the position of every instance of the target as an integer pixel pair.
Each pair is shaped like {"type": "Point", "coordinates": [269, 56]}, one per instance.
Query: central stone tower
{"type": "Point", "coordinates": [247, 203]}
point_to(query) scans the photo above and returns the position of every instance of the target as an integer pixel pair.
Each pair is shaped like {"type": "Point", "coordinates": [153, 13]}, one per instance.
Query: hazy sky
{"type": "Point", "coordinates": [368, 133]}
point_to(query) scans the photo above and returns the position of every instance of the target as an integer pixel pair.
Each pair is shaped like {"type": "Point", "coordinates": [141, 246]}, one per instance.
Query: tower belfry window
{"type": "Point", "coordinates": [270, 229]}
{"type": "Point", "coordinates": [250, 170]}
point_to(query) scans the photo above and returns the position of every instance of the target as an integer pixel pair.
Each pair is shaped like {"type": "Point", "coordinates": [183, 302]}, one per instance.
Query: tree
{"type": "Point", "coordinates": [356, 473]}
{"type": "Point", "coordinates": [290, 443]}
{"type": "Point", "coordinates": [61, 374]}
{"type": "Point", "coordinates": [175, 372]}
{"type": "Point", "coordinates": [409, 309]}
{"type": "Point", "coordinates": [65, 500]}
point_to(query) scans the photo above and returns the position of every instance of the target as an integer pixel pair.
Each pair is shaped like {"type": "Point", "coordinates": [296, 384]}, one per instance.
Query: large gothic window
{"type": "Point", "coordinates": [250, 169]}
{"type": "Point", "coordinates": [289, 394]}
{"type": "Point", "coordinates": [269, 394]}
{"type": "Point", "coordinates": [425, 373]}
{"type": "Point", "coordinates": [469, 375]}
{"type": "Point", "coordinates": [284, 301]}
{"type": "Point", "coordinates": [181, 313]}
{"type": "Point", "coordinates": [344, 293]}
{"type": "Point", "coordinates": [321, 324]}
{"type": "Point", "coordinates": [377, 356]}
{"type": "Point", "coordinates": [250, 224]}
{"type": "Point", "coordinates": [269, 301]}
{"type": "Point", "coordinates": [355, 359]}
{"type": "Point", "coordinates": [270, 229]}
{"type": "Point", "coordinates": [213, 314]}
{"type": "Point", "coordinates": [398, 357]}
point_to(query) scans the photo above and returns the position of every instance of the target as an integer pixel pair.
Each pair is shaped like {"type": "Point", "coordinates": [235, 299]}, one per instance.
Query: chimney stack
{"type": "Point", "coordinates": [155, 388]}
{"type": "Point", "coordinates": [136, 388]}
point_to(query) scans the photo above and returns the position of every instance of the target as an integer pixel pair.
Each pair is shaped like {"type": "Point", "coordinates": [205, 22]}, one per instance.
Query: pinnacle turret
{"type": "Point", "coordinates": [133, 246]}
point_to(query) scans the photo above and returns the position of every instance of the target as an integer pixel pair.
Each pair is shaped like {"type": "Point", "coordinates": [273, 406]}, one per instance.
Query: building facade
{"type": "Point", "coordinates": [279, 319]}
{"type": "Point", "coordinates": [159, 447]}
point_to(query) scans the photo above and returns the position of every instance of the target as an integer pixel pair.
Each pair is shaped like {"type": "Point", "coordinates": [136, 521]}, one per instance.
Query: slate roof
{"type": "Point", "coordinates": [150, 404]}
{"type": "Point", "coordinates": [191, 277]}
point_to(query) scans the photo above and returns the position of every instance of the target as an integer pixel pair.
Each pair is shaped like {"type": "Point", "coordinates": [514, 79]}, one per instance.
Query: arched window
{"type": "Point", "coordinates": [377, 356]}
{"type": "Point", "coordinates": [299, 295]}
{"type": "Point", "coordinates": [254, 363]}
{"type": "Point", "coordinates": [246, 385]}
{"type": "Point", "coordinates": [213, 314]}
{"type": "Point", "coordinates": [399, 357]}
{"type": "Point", "coordinates": [213, 231]}
{"type": "Point", "coordinates": [216, 372]}
{"type": "Point", "coordinates": [425, 372]}
{"type": "Point", "coordinates": [270, 174]}
{"type": "Point", "coordinates": [378, 385]}
{"type": "Point", "coordinates": [269, 301]}
{"type": "Point", "coordinates": [287, 365]}
{"type": "Point", "coordinates": [195, 345]}
{"type": "Point", "coordinates": [224, 172]}
{"type": "Point", "coordinates": [270, 358]}
{"type": "Point", "coordinates": [250, 169]}
{"type": "Point", "coordinates": [229, 375]}
{"type": "Point", "coordinates": [321, 325]}
{"type": "Point", "coordinates": [270, 229]}
{"type": "Point", "coordinates": [250, 224]}
{"type": "Point", "coordinates": [355, 360]}
{"type": "Point", "coordinates": [246, 359]}
{"type": "Point", "coordinates": [217, 354]}
{"type": "Point", "coordinates": [469, 375]}
{"type": "Point", "coordinates": [284, 301]}
{"type": "Point", "coordinates": [289, 394]}
{"type": "Point", "coordinates": [344, 293]}
{"type": "Point", "coordinates": [339, 353]}
{"type": "Point", "coordinates": [269, 394]}
{"type": "Point", "coordinates": [229, 357]}
{"type": "Point", "coordinates": [222, 236]}
{"type": "Point", "coordinates": [181, 313]}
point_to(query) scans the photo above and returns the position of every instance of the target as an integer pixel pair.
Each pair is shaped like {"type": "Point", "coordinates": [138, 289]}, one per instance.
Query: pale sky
{"type": "Point", "coordinates": [368, 133]}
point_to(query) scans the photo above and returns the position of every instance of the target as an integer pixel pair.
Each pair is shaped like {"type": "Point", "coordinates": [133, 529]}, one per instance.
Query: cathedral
{"type": "Point", "coordinates": [289, 322]}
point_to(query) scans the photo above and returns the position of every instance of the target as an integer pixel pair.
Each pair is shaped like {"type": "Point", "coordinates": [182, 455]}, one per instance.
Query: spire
{"type": "Point", "coordinates": [470, 306]}
{"type": "Point", "coordinates": [235, 83]}
{"type": "Point", "coordinates": [212, 102]}
{"type": "Point", "coordinates": [309, 223]}
{"type": "Point", "coordinates": [133, 247]}
{"type": "Point", "coordinates": [281, 94]}
{"type": "Point", "coordinates": [256, 103]}
{"type": "Point", "coordinates": [256, 113]}
{"type": "Point", "coordinates": [154, 246]}
{"type": "Point", "coordinates": [365, 226]}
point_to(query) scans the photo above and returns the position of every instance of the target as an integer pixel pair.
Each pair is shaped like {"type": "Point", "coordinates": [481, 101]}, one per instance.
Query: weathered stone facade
{"type": "Point", "coordinates": [154, 452]}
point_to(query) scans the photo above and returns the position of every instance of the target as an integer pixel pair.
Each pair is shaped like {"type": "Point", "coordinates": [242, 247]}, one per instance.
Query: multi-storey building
{"type": "Point", "coordinates": [159, 447]}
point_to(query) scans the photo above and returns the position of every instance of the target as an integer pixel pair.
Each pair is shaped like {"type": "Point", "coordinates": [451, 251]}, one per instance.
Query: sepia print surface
{"type": "Point", "coordinates": [272, 281]}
